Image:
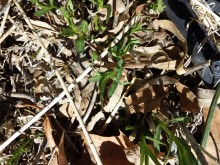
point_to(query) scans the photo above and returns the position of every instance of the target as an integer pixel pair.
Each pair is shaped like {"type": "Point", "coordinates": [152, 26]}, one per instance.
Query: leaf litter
{"type": "Point", "coordinates": [142, 90]}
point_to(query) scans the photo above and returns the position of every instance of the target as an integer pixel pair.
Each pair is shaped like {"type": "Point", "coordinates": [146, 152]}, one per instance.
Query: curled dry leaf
{"type": "Point", "coordinates": [150, 95]}
{"type": "Point", "coordinates": [94, 120]}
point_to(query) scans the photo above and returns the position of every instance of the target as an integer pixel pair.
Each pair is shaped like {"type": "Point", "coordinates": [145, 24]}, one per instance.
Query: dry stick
{"type": "Point", "coordinates": [5, 17]}
{"type": "Point", "coordinates": [14, 26]}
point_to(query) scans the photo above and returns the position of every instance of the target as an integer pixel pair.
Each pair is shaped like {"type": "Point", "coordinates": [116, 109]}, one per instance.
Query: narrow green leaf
{"type": "Point", "coordinates": [109, 11]}
{"type": "Point", "coordinates": [184, 154]}
{"type": "Point", "coordinates": [112, 88]}
{"type": "Point", "coordinates": [94, 56]}
{"type": "Point", "coordinates": [144, 159]}
{"type": "Point", "coordinates": [69, 20]}
{"type": "Point", "coordinates": [155, 141]}
{"type": "Point", "coordinates": [95, 78]}
{"type": "Point", "coordinates": [147, 150]}
{"type": "Point", "coordinates": [70, 6]}
{"type": "Point", "coordinates": [210, 117]}
{"type": "Point", "coordinates": [157, 137]}
{"type": "Point", "coordinates": [180, 119]}
{"type": "Point", "coordinates": [80, 44]}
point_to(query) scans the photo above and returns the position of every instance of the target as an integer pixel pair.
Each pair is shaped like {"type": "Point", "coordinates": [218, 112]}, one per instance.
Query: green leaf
{"type": "Point", "coordinates": [112, 88]}
{"type": "Point", "coordinates": [67, 31]}
{"type": "Point", "coordinates": [94, 56]}
{"type": "Point", "coordinates": [147, 151]}
{"type": "Point", "coordinates": [155, 141]}
{"type": "Point", "coordinates": [95, 78]}
{"type": "Point", "coordinates": [157, 137]}
{"type": "Point", "coordinates": [80, 44]}
{"type": "Point", "coordinates": [69, 20]}
{"type": "Point", "coordinates": [136, 28]}
{"type": "Point", "coordinates": [109, 11]}
{"type": "Point", "coordinates": [84, 26]}
{"type": "Point", "coordinates": [184, 154]}
{"type": "Point", "coordinates": [144, 159]}
{"type": "Point", "coordinates": [51, 2]}
{"type": "Point", "coordinates": [42, 11]}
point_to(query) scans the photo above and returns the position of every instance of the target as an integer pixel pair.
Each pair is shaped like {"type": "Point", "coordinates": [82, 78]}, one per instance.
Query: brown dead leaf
{"type": "Point", "coordinates": [117, 6]}
{"type": "Point", "coordinates": [49, 133]}
{"type": "Point", "coordinates": [110, 149]}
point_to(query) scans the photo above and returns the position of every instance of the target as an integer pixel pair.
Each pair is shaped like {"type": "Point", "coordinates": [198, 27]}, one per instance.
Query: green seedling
{"type": "Point", "coordinates": [68, 14]}
{"type": "Point", "coordinates": [143, 134]}
{"type": "Point", "coordinates": [24, 148]}
{"type": "Point", "coordinates": [184, 153]}
{"type": "Point", "coordinates": [113, 76]}
{"type": "Point", "coordinates": [158, 6]}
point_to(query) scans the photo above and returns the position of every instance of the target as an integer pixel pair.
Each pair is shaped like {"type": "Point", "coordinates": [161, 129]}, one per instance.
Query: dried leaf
{"type": "Point", "coordinates": [49, 133]}
{"type": "Point", "coordinates": [110, 149]}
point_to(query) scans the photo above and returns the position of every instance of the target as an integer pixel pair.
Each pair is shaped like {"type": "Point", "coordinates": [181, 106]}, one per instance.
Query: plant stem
{"type": "Point", "coordinates": [210, 117]}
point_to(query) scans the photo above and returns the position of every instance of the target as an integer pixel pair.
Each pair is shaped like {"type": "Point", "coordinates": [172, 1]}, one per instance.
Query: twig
{"type": "Point", "coordinates": [197, 67]}
{"type": "Point", "coordinates": [210, 117]}
{"type": "Point", "coordinates": [5, 17]}
{"type": "Point", "coordinates": [20, 95]}
{"type": "Point", "coordinates": [91, 105]}
{"type": "Point", "coordinates": [40, 151]}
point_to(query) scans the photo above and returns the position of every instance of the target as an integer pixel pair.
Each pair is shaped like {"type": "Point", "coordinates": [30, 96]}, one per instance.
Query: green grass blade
{"type": "Point", "coordinates": [210, 117]}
